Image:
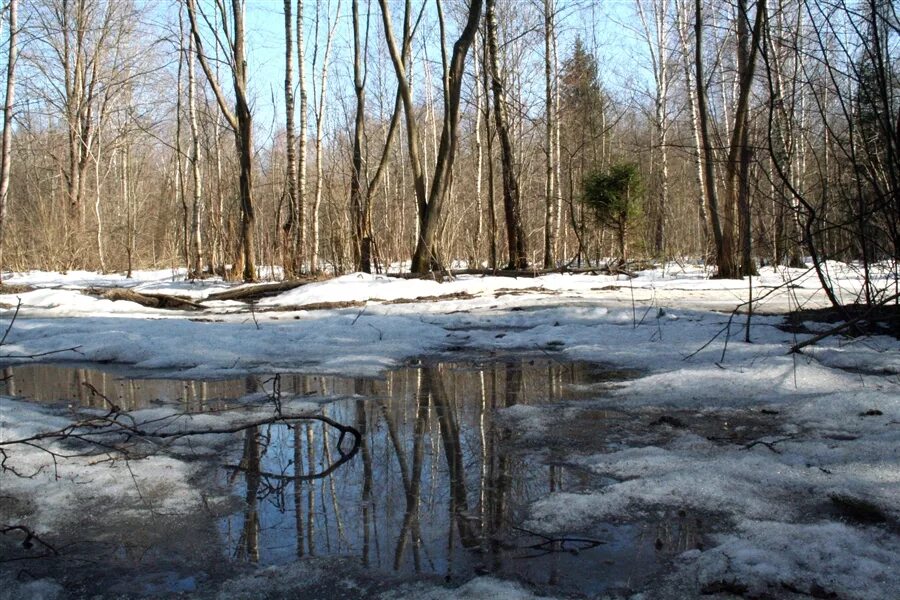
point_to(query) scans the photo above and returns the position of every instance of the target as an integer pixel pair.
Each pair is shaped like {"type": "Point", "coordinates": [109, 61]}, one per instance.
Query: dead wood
{"type": "Point", "coordinates": [441, 298]}
{"type": "Point", "coordinates": [252, 293]}
{"type": "Point", "coordinates": [525, 273]}
{"type": "Point", "coordinates": [359, 303]}
{"type": "Point", "coordinates": [149, 300]}
{"type": "Point", "coordinates": [9, 289]}
{"type": "Point", "coordinates": [313, 306]}
{"type": "Point", "coordinates": [871, 312]}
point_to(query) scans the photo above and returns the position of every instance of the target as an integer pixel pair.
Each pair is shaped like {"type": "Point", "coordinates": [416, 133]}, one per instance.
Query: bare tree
{"type": "Point", "coordinates": [655, 33]}
{"type": "Point", "coordinates": [300, 230]}
{"type": "Point", "coordinates": [515, 235]}
{"type": "Point", "coordinates": [359, 209]}
{"type": "Point", "coordinates": [320, 128]}
{"type": "Point", "coordinates": [551, 142]}
{"type": "Point", "coordinates": [737, 167]}
{"type": "Point", "coordinates": [240, 120]}
{"type": "Point", "coordinates": [724, 256]}
{"type": "Point", "coordinates": [6, 149]}
{"type": "Point", "coordinates": [289, 242]}
{"type": "Point", "coordinates": [195, 264]}
{"type": "Point", "coordinates": [430, 203]}
{"type": "Point", "coordinates": [681, 8]}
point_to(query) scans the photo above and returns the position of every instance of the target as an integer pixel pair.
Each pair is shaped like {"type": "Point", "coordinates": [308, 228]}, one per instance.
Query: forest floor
{"type": "Point", "coordinates": [706, 465]}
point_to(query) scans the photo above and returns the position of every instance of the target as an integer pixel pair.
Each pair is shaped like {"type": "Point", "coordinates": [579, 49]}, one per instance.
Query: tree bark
{"type": "Point", "coordinates": [518, 255]}
{"type": "Point", "coordinates": [289, 239]}
{"type": "Point", "coordinates": [359, 209]}
{"type": "Point", "coordinates": [430, 204]}
{"type": "Point", "coordinates": [724, 258]}
{"type": "Point", "coordinates": [240, 121]}
{"type": "Point", "coordinates": [6, 149]}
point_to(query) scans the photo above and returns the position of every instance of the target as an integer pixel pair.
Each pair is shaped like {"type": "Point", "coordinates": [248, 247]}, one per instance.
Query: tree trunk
{"type": "Point", "coordinates": [320, 136]}
{"type": "Point", "coordinates": [288, 237]}
{"type": "Point", "coordinates": [479, 163]}
{"type": "Point", "coordinates": [195, 266]}
{"type": "Point", "coordinates": [300, 232]}
{"type": "Point", "coordinates": [549, 198]}
{"type": "Point", "coordinates": [244, 140]}
{"type": "Point", "coordinates": [6, 150]}
{"type": "Point", "coordinates": [430, 204]}
{"type": "Point", "coordinates": [681, 17]}
{"type": "Point", "coordinates": [518, 255]}
{"type": "Point", "coordinates": [737, 168]}
{"type": "Point", "coordinates": [724, 258]}
{"type": "Point", "coordinates": [358, 204]}
{"type": "Point", "coordinates": [240, 121]}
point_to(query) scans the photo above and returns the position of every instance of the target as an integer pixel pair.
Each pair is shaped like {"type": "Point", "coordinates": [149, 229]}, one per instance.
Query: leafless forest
{"type": "Point", "coordinates": [504, 133]}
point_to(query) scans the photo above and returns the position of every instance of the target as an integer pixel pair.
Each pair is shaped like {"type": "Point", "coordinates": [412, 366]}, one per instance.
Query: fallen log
{"type": "Point", "coordinates": [516, 273]}
{"type": "Point", "coordinates": [148, 300]}
{"type": "Point", "coordinates": [252, 293]}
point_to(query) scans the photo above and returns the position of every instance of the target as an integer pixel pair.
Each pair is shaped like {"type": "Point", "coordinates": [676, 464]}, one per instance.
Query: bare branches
{"type": "Point", "coordinates": [204, 64]}
{"type": "Point", "coordinates": [28, 543]}
{"type": "Point", "coordinates": [11, 321]}
{"type": "Point", "coordinates": [550, 544]}
{"type": "Point", "coordinates": [9, 327]}
{"type": "Point", "coordinates": [116, 433]}
{"type": "Point", "coordinates": [849, 324]}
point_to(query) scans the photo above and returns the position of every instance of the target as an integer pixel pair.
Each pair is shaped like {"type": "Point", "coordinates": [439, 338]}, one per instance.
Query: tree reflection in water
{"type": "Point", "coordinates": [413, 473]}
{"type": "Point", "coordinates": [435, 488]}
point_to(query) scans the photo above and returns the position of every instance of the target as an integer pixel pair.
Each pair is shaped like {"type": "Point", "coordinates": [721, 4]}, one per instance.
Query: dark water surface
{"type": "Point", "coordinates": [435, 487]}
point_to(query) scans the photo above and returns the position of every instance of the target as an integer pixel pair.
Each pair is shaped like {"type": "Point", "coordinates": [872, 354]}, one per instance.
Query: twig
{"type": "Point", "coordinates": [845, 325]}
{"type": "Point", "coordinates": [359, 314]}
{"type": "Point", "coordinates": [550, 545]}
{"type": "Point", "coordinates": [41, 354]}
{"type": "Point", "coordinates": [29, 537]}
{"type": "Point", "coordinates": [11, 321]}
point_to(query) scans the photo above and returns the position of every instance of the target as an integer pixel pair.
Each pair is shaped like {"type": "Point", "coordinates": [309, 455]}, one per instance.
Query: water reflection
{"type": "Point", "coordinates": [434, 486]}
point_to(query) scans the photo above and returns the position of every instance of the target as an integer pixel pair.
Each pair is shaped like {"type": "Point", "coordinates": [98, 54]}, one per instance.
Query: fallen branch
{"type": "Point", "coordinates": [549, 545]}
{"type": "Point", "coordinates": [250, 293]}
{"type": "Point", "coordinates": [148, 300]}
{"type": "Point", "coordinates": [524, 273]}
{"type": "Point", "coordinates": [345, 456]}
{"type": "Point", "coordinates": [842, 327]}
{"type": "Point", "coordinates": [28, 542]}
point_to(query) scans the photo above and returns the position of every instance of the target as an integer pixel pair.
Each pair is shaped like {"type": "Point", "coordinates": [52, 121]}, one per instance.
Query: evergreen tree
{"type": "Point", "coordinates": [613, 197]}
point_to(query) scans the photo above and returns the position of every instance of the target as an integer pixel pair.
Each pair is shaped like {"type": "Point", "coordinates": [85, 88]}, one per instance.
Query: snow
{"type": "Point", "coordinates": [816, 559]}
{"type": "Point", "coordinates": [796, 429]}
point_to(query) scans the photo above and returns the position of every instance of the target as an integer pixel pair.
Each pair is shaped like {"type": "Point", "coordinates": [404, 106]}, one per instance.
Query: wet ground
{"type": "Point", "coordinates": [437, 485]}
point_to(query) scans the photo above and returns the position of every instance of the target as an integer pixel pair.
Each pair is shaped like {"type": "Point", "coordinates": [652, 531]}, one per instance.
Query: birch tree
{"type": "Point", "coordinates": [289, 239]}
{"type": "Point", "coordinates": [6, 149]}
{"type": "Point", "coordinates": [320, 112]}
{"type": "Point", "coordinates": [195, 266]}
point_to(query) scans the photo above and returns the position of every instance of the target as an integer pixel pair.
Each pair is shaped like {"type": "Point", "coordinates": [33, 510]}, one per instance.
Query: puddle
{"type": "Point", "coordinates": [434, 488]}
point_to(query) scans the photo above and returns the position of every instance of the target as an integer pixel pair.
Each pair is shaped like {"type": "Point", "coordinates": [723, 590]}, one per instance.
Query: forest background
{"type": "Point", "coordinates": [359, 134]}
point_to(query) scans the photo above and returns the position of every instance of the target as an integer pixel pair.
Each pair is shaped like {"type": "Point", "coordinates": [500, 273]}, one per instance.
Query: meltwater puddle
{"type": "Point", "coordinates": [434, 486]}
